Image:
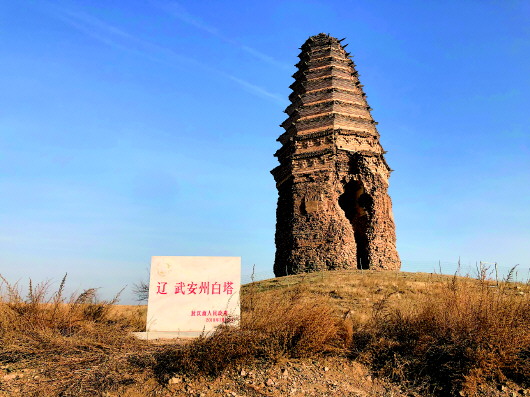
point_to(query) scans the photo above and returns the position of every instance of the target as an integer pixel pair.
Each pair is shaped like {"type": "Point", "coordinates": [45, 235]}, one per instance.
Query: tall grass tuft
{"type": "Point", "coordinates": [68, 339]}
{"type": "Point", "coordinates": [453, 343]}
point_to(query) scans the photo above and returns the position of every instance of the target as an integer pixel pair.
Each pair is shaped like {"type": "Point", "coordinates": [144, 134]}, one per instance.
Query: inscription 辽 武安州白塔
{"type": "Point", "coordinates": [192, 288]}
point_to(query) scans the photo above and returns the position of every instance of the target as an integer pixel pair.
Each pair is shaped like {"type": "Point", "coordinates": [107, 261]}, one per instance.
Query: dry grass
{"type": "Point", "coordinates": [75, 346]}
{"type": "Point", "coordinates": [469, 337]}
{"type": "Point", "coordinates": [270, 329]}
{"type": "Point", "coordinates": [436, 335]}
{"type": "Point", "coordinates": [134, 316]}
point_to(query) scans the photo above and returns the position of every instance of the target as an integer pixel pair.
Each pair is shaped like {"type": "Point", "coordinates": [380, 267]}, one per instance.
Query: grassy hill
{"type": "Point", "coordinates": [358, 333]}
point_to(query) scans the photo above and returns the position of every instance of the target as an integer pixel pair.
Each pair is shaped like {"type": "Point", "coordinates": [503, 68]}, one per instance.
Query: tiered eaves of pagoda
{"type": "Point", "coordinates": [333, 210]}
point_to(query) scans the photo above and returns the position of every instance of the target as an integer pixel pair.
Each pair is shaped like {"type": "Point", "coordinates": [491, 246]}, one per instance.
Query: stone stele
{"type": "Point", "coordinates": [334, 211]}
{"type": "Point", "coordinates": [189, 295]}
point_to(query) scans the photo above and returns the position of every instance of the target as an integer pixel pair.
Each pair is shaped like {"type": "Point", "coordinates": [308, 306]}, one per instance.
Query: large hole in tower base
{"type": "Point", "coordinates": [356, 205]}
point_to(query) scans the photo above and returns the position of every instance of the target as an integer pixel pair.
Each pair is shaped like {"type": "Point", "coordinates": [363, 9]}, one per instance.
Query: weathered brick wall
{"type": "Point", "coordinates": [334, 120]}
{"type": "Point", "coordinates": [333, 106]}
{"type": "Point", "coordinates": [333, 210]}
{"type": "Point", "coordinates": [348, 95]}
{"type": "Point", "coordinates": [329, 70]}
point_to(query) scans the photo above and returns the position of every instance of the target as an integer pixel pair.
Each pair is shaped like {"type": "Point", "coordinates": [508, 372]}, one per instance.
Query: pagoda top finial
{"type": "Point", "coordinates": [320, 39]}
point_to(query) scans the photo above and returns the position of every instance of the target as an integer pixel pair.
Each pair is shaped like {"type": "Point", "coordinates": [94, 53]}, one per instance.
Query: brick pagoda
{"type": "Point", "coordinates": [334, 211]}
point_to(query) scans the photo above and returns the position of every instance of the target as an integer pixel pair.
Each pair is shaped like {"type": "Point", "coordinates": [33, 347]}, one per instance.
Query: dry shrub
{"type": "Point", "coordinates": [67, 339]}
{"type": "Point", "coordinates": [294, 324]}
{"type": "Point", "coordinates": [205, 355]}
{"type": "Point", "coordinates": [452, 343]}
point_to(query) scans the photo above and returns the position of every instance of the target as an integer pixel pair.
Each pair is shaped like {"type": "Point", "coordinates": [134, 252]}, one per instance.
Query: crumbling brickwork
{"type": "Point", "coordinates": [334, 211]}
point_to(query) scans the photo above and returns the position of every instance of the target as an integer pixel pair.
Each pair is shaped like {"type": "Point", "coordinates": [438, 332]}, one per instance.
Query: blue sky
{"type": "Point", "coordinates": [137, 128]}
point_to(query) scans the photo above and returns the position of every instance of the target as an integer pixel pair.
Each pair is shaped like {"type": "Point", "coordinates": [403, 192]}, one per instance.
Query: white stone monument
{"type": "Point", "coordinates": [191, 295]}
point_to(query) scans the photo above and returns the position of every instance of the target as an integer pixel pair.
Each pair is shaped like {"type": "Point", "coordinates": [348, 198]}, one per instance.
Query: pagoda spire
{"type": "Point", "coordinates": [333, 210]}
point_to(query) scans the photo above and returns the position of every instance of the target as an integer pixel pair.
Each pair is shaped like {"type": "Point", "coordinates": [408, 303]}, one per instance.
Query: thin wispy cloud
{"type": "Point", "coordinates": [179, 12]}
{"type": "Point", "coordinates": [115, 37]}
{"type": "Point", "coordinates": [258, 90]}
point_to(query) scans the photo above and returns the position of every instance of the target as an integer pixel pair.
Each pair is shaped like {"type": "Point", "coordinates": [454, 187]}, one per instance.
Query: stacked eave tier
{"type": "Point", "coordinates": [328, 111]}
{"type": "Point", "coordinates": [327, 94]}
